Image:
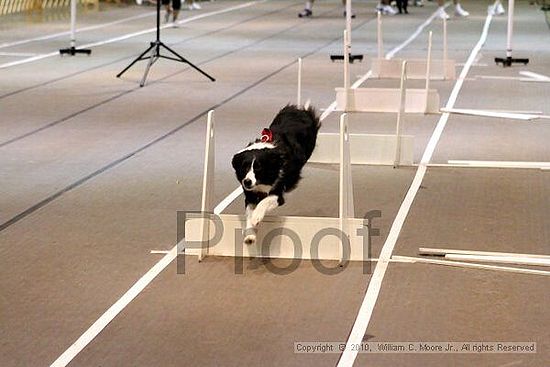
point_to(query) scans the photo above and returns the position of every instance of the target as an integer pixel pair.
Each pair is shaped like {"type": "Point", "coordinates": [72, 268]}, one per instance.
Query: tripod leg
{"type": "Point", "coordinates": [154, 56]}
{"type": "Point", "coordinates": [136, 60]}
{"type": "Point", "coordinates": [183, 59]}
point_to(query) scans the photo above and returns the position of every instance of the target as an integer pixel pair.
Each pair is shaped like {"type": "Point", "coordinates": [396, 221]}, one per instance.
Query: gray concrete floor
{"type": "Point", "coordinates": [94, 168]}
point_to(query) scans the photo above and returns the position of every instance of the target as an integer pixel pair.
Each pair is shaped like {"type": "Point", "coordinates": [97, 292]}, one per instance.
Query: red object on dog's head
{"type": "Point", "coordinates": [267, 136]}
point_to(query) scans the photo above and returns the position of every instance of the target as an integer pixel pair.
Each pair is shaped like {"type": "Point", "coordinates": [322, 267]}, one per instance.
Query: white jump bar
{"type": "Point", "coordinates": [500, 259]}
{"type": "Point", "coordinates": [445, 251]}
{"type": "Point", "coordinates": [459, 264]}
{"type": "Point", "coordinates": [499, 164]}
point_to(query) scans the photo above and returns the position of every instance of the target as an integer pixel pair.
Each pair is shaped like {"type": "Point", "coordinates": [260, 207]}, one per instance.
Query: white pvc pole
{"type": "Point", "coordinates": [510, 28]}
{"type": "Point", "coordinates": [380, 44]}
{"type": "Point", "coordinates": [299, 96]}
{"type": "Point", "coordinates": [400, 114]}
{"type": "Point", "coordinates": [73, 23]}
{"type": "Point", "coordinates": [428, 67]}
{"type": "Point", "coordinates": [445, 41]}
{"type": "Point", "coordinates": [346, 61]}
{"type": "Point", "coordinates": [348, 18]}
{"type": "Point", "coordinates": [346, 70]}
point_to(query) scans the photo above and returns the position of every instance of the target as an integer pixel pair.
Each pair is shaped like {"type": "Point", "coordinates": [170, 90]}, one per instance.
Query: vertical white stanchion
{"type": "Point", "coordinates": [346, 71]}
{"type": "Point", "coordinates": [346, 209]}
{"type": "Point", "coordinates": [207, 183]}
{"type": "Point", "coordinates": [400, 114]}
{"type": "Point", "coordinates": [73, 24]}
{"type": "Point", "coordinates": [299, 94]}
{"type": "Point", "coordinates": [445, 54]}
{"type": "Point", "coordinates": [510, 28]}
{"type": "Point", "coordinates": [428, 69]}
{"type": "Point", "coordinates": [380, 41]}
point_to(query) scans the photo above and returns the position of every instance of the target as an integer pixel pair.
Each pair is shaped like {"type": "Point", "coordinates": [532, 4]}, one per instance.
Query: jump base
{"type": "Point", "coordinates": [282, 237]}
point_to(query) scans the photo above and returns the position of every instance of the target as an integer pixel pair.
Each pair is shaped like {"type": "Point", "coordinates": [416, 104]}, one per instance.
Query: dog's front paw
{"type": "Point", "coordinates": [256, 217]}
{"type": "Point", "coordinates": [250, 239]}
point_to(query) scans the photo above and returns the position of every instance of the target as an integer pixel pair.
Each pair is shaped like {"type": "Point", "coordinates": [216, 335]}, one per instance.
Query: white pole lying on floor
{"type": "Point", "coordinates": [428, 67]}
{"type": "Point", "coordinates": [299, 96]}
{"type": "Point", "coordinates": [500, 259]}
{"type": "Point", "coordinates": [380, 42]}
{"type": "Point", "coordinates": [469, 265]}
{"type": "Point", "coordinates": [400, 114]}
{"type": "Point", "coordinates": [445, 251]}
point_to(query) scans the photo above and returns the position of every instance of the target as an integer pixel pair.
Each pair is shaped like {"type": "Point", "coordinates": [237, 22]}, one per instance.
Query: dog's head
{"type": "Point", "coordinates": [257, 167]}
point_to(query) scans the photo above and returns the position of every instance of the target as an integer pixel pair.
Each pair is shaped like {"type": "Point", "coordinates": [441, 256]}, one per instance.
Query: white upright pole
{"type": "Point", "coordinates": [400, 113]}
{"type": "Point", "coordinates": [445, 53]}
{"type": "Point", "coordinates": [428, 68]}
{"type": "Point", "coordinates": [445, 56]}
{"type": "Point", "coordinates": [510, 28]}
{"type": "Point", "coordinates": [299, 96]}
{"type": "Point", "coordinates": [73, 23]}
{"type": "Point", "coordinates": [380, 44]}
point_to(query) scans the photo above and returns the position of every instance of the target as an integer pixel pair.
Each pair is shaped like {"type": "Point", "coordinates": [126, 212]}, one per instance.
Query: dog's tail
{"type": "Point", "coordinates": [312, 112]}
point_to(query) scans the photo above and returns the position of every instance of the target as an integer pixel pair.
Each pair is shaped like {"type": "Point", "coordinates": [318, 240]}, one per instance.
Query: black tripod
{"type": "Point", "coordinates": [154, 54]}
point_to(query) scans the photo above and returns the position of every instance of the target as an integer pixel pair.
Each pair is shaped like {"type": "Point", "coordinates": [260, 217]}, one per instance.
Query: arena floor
{"type": "Point", "coordinates": [94, 169]}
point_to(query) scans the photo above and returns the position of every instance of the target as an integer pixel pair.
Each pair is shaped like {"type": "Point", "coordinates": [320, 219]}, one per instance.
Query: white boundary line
{"type": "Point", "coordinates": [66, 33]}
{"type": "Point", "coordinates": [113, 311]}
{"type": "Point", "coordinates": [375, 284]}
{"type": "Point", "coordinates": [134, 34]}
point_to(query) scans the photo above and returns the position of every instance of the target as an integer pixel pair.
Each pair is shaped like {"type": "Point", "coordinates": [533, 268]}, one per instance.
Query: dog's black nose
{"type": "Point", "coordinates": [247, 183]}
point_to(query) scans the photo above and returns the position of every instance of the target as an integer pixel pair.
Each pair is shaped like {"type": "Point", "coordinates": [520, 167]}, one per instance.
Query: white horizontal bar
{"type": "Point", "coordinates": [445, 251]}
{"type": "Point", "coordinates": [500, 164]}
{"type": "Point", "coordinates": [498, 77]}
{"type": "Point", "coordinates": [531, 75]}
{"type": "Point", "coordinates": [470, 265]}
{"type": "Point", "coordinates": [500, 259]}
{"type": "Point", "coordinates": [489, 113]}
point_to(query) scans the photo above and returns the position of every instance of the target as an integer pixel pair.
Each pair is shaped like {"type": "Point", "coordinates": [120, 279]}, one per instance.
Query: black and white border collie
{"type": "Point", "coordinates": [271, 166]}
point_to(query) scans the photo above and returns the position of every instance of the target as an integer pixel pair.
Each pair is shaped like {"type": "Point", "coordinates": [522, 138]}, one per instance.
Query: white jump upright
{"type": "Point", "coordinates": [299, 93]}
{"type": "Point", "coordinates": [207, 203]}
{"type": "Point", "coordinates": [280, 236]}
{"type": "Point", "coordinates": [442, 69]}
{"type": "Point", "coordinates": [374, 149]}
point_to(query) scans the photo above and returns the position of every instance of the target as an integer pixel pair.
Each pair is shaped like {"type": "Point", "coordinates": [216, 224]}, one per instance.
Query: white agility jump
{"type": "Point", "coordinates": [348, 99]}
{"type": "Point", "coordinates": [291, 237]}
{"type": "Point", "coordinates": [377, 149]}
{"type": "Point", "coordinates": [440, 69]}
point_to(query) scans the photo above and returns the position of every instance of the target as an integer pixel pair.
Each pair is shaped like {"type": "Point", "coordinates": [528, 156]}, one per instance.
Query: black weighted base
{"type": "Point", "coordinates": [73, 51]}
{"type": "Point", "coordinates": [352, 58]}
{"type": "Point", "coordinates": [508, 61]}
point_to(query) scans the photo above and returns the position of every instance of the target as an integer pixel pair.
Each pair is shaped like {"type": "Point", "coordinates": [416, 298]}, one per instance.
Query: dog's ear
{"type": "Point", "coordinates": [237, 161]}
